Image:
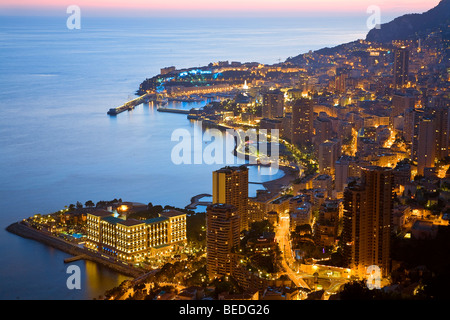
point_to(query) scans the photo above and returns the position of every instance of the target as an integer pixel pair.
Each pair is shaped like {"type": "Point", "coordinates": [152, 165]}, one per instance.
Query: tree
{"type": "Point", "coordinates": [358, 290]}
{"type": "Point", "coordinates": [303, 229]}
{"type": "Point", "coordinates": [79, 205]}
{"type": "Point", "coordinates": [89, 204]}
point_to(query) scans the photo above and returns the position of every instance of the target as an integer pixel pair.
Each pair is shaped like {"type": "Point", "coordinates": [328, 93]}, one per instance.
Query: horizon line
{"type": "Point", "coordinates": [149, 11]}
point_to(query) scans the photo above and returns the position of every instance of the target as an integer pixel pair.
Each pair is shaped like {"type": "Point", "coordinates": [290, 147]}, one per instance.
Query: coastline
{"type": "Point", "coordinates": [290, 174]}
{"type": "Point", "coordinates": [78, 253]}
{"type": "Point", "coordinates": [24, 231]}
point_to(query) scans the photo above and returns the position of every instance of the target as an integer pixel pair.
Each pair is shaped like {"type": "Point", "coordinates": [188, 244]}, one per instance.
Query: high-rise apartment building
{"type": "Point", "coordinates": [273, 104]}
{"type": "Point", "coordinates": [323, 130]}
{"type": "Point", "coordinates": [368, 221]}
{"type": "Point", "coordinates": [222, 239]}
{"type": "Point", "coordinates": [230, 186]}
{"type": "Point", "coordinates": [440, 109]}
{"type": "Point", "coordinates": [412, 122]}
{"type": "Point", "coordinates": [329, 152]}
{"type": "Point", "coordinates": [400, 103]}
{"type": "Point", "coordinates": [426, 144]}
{"type": "Point", "coordinates": [302, 122]}
{"type": "Point", "coordinates": [345, 167]}
{"type": "Point", "coordinates": [401, 61]}
{"type": "Point", "coordinates": [340, 82]}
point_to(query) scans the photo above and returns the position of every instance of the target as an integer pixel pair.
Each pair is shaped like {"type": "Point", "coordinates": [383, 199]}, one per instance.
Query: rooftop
{"type": "Point", "coordinates": [230, 169]}
{"type": "Point", "coordinates": [172, 213]}
{"type": "Point", "coordinates": [101, 213]}
{"type": "Point", "coordinates": [155, 220]}
{"type": "Point", "coordinates": [128, 222]}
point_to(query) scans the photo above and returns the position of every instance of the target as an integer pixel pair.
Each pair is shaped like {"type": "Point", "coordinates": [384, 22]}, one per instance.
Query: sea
{"type": "Point", "coordinates": [58, 146]}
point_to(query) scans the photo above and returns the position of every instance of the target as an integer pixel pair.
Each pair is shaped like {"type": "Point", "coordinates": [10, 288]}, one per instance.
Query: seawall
{"type": "Point", "coordinates": [25, 231]}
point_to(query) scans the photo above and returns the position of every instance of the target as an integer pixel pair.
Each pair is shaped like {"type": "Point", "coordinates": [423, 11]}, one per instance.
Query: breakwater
{"type": "Point", "coordinates": [130, 104]}
{"type": "Point", "coordinates": [22, 230]}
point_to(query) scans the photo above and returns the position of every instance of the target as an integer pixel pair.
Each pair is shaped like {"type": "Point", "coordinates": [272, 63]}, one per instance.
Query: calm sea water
{"type": "Point", "coordinates": [58, 146]}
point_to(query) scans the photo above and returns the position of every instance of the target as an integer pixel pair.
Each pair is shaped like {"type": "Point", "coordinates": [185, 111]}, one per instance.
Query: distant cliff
{"type": "Point", "coordinates": [409, 26]}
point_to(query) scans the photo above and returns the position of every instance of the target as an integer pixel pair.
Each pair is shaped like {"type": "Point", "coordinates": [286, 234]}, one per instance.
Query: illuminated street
{"type": "Point", "coordinates": [282, 236]}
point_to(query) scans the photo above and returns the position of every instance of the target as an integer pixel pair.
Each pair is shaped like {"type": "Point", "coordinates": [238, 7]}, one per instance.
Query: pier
{"type": "Point", "coordinates": [130, 105]}
{"type": "Point", "coordinates": [172, 110]}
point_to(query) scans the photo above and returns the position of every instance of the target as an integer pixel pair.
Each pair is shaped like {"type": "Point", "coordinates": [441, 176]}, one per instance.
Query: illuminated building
{"type": "Point", "coordinates": [230, 186]}
{"type": "Point", "coordinates": [273, 104]}
{"type": "Point", "coordinates": [325, 183]}
{"type": "Point", "coordinates": [222, 239]}
{"type": "Point", "coordinates": [323, 128]}
{"type": "Point", "coordinates": [401, 58]}
{"type": "Point", "coordinates": [280, 204]}
{"type": "Point", "coordinates": [426, 144]}
{"type": "Point", "coordinates": [345, 167]}
{"type": "Point", "coordinates": [176, 226]}
{"type": "Point", "coordinates": [271, 124]}
{"type": "Point", "coordinates": [412, 121]}
{"type": "Point", "coordinates": [340, 82]}
{"type": "Point", "coordinates": [329, 152]}
{"type": "Point", "coordinates": [167, 70]}
{"type": "Point", "coordinates": [301, 214]}
{"type": "Point", "coordinates": [134, 240]}
{"type": "Point", "coordinates": [327, 225]}
{"type": "Point", "coordinates": [368, 221]}
{"type": "Point", "coordinates": [302, 122]}
{"type": "Point", "coordinates": [286, 127]}
{"type": "Point", "coordinates": [402, 174]}
{"type": "Point", "coordinates": [440, 110]}
{"type": "Point", "coordinates": [258, 207]}
{"type": "Point", "coordinates": [400, 103]}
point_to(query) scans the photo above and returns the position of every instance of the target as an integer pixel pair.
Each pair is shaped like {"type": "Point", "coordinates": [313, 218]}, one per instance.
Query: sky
{"type": "Point", "coordinates": [214, 7]}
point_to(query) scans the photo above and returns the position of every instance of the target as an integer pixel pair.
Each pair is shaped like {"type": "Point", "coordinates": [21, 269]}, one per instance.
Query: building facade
{"type": "Point", "coordinates": [273, 104]}
{"type": "Point", "coordinates": [230, 186]}
{"type": "Point", "coordinates": [134, 240]}
{"type": "Point", "coordinates": [302, 122]}
{"type": "Point", "coordinates": [401, 61]}
{"type": "Point", "coordinates": [368, 221]}
{"type": "Point", "coordinates": [222, 239]}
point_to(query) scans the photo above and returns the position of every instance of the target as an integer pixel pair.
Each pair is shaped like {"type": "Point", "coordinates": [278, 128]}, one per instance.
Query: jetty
{"type": "Point", "coordinates": [130, 105]}
{"type": "Point", "coordinates": [172, 110]}
{"type": "Point", "coordinates": [195, 201]}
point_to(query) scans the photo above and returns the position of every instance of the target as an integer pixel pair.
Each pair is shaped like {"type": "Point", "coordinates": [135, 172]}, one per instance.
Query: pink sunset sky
{"type": "Point", "coordinates": [230, 7]}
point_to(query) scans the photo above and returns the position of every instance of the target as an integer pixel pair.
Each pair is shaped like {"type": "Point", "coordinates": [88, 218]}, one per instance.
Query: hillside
{"type": "Point", "coordinates": [410, 26]}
